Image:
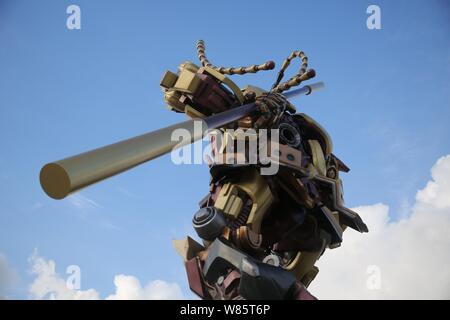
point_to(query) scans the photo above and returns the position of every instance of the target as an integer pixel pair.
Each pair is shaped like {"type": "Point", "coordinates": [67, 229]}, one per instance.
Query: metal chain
{"type": "Point", "coordinates": [269, 65]}
{"type": "Point", "coordinates": [300, 76]}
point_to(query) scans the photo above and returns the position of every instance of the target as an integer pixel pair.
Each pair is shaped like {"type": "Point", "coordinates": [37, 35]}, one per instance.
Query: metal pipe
{"type": "Point", "coordinates": [60, 178]}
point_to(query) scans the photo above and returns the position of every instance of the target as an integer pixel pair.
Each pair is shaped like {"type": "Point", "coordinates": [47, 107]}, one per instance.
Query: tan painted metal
{"type": "Point", "coordinates": [60, 178]}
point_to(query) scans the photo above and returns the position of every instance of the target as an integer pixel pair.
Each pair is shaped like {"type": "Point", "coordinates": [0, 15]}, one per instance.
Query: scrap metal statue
{"type": "Point", "coordinates": [261, 234]}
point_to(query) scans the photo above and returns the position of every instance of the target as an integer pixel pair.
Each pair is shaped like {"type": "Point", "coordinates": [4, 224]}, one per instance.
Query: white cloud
{"type": "Point", "coordinates": [50, 285]}
{"type": "Point", "coordinates": [129, 287]}
{"type": "Point", "coordinates": [412, 254]}
{"type": "Point", "coordinates": [80, 201]}
{"type": "Point", "coordinates": [437, 191]}
{"type": "Point", "coordinates": [8, 277]}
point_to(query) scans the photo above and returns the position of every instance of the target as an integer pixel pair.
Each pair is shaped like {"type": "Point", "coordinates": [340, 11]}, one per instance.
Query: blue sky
{"type": "Point", "coordinates": [386, 106]}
